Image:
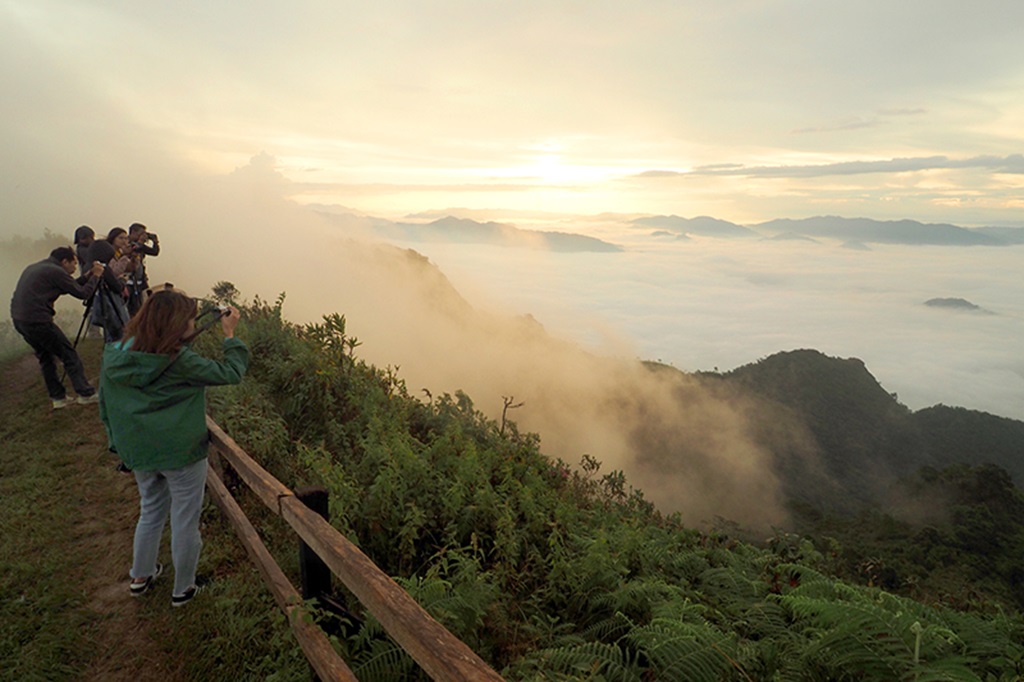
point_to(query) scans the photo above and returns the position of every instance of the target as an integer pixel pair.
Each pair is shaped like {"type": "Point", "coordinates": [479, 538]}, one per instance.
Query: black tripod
{"type": "Point", "coordinates": [85, 318]}
{"type": "Point", "coordinates": [85, 315]}
{"type": "Point", "coordinates": [106, 303]}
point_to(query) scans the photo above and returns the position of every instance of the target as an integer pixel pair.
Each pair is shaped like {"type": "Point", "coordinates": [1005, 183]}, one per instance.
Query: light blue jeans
{"type": "Point", "coordinates": [178, 492]}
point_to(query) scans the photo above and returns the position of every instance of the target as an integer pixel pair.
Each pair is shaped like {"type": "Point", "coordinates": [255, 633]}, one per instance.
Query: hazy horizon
{"type": "Point", "coordinates": [563, 332]}
{"type": "Point", "coordinates": [714, 304]}
{"type": "Point", "coordinates": [215, 126]}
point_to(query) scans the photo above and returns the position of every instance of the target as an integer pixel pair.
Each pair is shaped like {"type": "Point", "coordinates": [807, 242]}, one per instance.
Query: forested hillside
{"type": "Point", "coordinates": [864, 438]}
{"type": "Point", "coordinates": [922, 503]}
{"type": "Point", "coordinates": [555, 570]}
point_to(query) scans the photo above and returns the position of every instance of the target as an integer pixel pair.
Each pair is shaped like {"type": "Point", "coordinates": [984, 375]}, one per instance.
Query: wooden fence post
{"type": "Point", "coordinates": [442, 656]}
{"type": "Point", "coordinates": [316, 576]}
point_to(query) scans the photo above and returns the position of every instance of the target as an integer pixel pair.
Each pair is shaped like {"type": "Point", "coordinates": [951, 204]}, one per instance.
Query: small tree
{"type": "Point", "coordinates": [510, 404]}
{"type": "Point", "coordinates": [225, 293]}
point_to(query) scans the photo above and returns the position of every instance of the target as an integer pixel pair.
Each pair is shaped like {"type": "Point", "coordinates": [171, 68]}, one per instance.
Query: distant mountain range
{"type": "Point", "coordinates": [857, 232]}
{"type": "Point", "coordinates": [854, 233]}
{"type": "Point", "coordinates": [702, 226]}
{"type": "Point", "coordinates": [888, 231]}
{"type": "Point", "coordinates": [452, 230]}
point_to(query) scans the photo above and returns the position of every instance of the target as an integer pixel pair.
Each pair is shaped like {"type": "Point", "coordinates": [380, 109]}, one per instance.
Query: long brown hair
{"type": "Point", "coordinates": [162, 322]}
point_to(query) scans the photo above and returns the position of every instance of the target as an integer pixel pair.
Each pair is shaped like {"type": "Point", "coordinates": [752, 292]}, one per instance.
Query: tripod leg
{"type": "Point", "coordinates": [115, 311]}
{"type": "Point", "coordinates": [85, 317]}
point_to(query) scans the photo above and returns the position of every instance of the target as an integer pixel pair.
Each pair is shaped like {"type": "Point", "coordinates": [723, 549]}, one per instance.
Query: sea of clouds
{"type": "Point", "coordinates": [707, 304]}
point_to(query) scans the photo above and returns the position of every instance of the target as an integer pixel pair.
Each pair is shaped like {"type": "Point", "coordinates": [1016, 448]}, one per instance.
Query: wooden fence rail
{"type": "Point", "coordinates": [441, 655]}
{"type": "Point", "coordinates": [319, 652]}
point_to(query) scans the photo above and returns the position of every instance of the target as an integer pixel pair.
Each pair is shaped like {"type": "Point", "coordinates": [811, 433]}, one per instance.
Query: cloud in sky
{"type": "Point", "coordinates": [556, 105]}
{"type": "Point", "coordinates": [1013, 164]}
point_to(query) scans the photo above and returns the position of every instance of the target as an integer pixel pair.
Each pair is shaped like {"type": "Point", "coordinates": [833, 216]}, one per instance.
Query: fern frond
{"type": "Point", "coordinates": [883, 636]}
{"type": "Point", "coordinates": [809, 582]}
{"type": "Point", "coordinates": [594, 659]}
{"type": "Point", "coordinates": [947, 670]}
{"type": "Point", "coordinates": [694, 652]}
{"type": "Point", "coordinates": [637, 598]}
{"type": "Point", "coordinates": [764, 619]}
{"type": "Point", "coordinates": [609, 629]}
{"type": "Point", "coordinates": [728, 582]}
{"type": "Point", "coordinates": [385, 662]}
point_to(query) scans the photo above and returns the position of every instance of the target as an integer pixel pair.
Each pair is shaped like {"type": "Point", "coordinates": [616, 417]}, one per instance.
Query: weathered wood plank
{"type": "Point", "coordinates": [437, 651]}
{"type": "Point", "coordinates": [266, 487]}
{"type": "Point", "coordinates": [317, 648]}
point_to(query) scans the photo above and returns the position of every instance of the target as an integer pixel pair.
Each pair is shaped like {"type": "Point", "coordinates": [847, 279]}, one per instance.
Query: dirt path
{"type": "Point", "coordinates": [123, 633]}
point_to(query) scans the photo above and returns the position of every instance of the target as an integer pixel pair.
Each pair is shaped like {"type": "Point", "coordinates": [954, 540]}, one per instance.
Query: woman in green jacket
{"type": "Point", "coordinates": [153, 404]}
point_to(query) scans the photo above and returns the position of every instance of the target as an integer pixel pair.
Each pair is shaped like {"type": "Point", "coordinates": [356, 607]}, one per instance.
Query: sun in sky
{"type": "Point", "coordinates": [746, 111]}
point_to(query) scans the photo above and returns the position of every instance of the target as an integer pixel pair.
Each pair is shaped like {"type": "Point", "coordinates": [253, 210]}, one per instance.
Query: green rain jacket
{"type": "Point", "coordinates": [154, 406]}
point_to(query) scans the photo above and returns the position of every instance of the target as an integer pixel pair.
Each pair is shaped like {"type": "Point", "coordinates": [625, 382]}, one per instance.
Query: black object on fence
{"type": "Point", "coordinates": [316, 576]}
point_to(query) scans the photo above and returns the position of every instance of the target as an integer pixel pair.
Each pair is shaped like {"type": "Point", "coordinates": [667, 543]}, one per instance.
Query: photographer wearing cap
{"type": "Point", "coordinates": [153, 404]}
{"type": "Point", "coordinates": [84, 237]}
{"type": "Point", "coordinates": [39, 286]}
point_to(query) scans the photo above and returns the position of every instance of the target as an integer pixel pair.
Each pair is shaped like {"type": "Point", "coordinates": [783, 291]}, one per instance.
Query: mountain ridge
{"type": "Point", "coordinates": [881, 231]}
{"type": "Point", "coordinates": [859, 231]}
{"type": "Point", "coordinates": [852, 232]}
{"type": "Point", "coordinates": [863, 437]}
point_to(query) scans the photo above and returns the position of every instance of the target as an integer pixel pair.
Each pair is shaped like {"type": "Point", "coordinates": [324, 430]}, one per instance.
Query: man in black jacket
{"type": "Point", "coordinates": [40, 285]}
{"type": "Point", "coordinates": [143, 243]}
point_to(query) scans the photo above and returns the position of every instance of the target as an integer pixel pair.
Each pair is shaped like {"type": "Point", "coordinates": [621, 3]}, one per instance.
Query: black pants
{"type": "Point", "coordinates": [136, 287]}
{"type": "Point", "coordinates": [50, 343]}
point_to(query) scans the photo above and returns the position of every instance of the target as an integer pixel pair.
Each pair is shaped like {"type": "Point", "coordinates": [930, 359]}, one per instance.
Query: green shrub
{"type": "Point", "coordinates": [554, 572]}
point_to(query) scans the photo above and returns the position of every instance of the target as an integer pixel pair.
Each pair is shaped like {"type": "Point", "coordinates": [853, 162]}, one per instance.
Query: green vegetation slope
{"type": "Point", "coordinates": [554, 572]}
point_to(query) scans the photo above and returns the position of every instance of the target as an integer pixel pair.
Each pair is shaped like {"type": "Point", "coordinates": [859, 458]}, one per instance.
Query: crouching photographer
{"type": "Point", "coordinates": [153, 404]}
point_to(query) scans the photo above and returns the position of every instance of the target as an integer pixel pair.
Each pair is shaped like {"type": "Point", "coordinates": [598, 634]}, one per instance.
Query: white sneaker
{"type": "Point", "coordinates": [88, 399]}
{"type": "Point", "coordinates": [178, 602]}
{"type": "Point", "coordinates": [139, 589]}
{"type": "Point", "coordinates": [62, 403]}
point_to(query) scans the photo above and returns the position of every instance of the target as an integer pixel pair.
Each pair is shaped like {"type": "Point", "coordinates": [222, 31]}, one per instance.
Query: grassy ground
{"type": "Point", "coordinates": [65, 549]}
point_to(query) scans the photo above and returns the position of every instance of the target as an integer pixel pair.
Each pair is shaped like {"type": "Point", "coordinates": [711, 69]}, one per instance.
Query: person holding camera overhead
{"type": "Point", "coordinates": [143, 243]}
{"type": "Point", "coordinates": [153, 405]}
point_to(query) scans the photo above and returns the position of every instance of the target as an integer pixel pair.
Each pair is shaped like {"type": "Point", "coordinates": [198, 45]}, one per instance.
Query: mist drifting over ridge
{"type": "Point", "coordinates": [405, 312]}
{"type": "Point", "coordinates": [564, 332]}
{"type": "Point", "coordinates": [924, 129]}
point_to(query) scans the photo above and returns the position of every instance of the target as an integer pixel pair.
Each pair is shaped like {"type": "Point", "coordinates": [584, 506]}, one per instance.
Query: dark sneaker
{"type": "Point", "coordinates": [123, 468]}
{"type": "Point", "coordinates": [141, 588]}
{"type": "Point", "coordinates": [191, 592]}
{"type": "Point", "coordinates": [88, 399]}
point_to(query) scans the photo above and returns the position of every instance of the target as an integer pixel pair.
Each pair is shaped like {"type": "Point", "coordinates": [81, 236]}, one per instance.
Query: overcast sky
{"type": "Point", "coordinates": [746, 110]}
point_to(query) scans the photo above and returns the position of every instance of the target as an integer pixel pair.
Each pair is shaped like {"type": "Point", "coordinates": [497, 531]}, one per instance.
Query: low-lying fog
{"type": "Point", "coordinates": [710, 304]}
{"type": "Point", "coordinates": [697, 305]}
